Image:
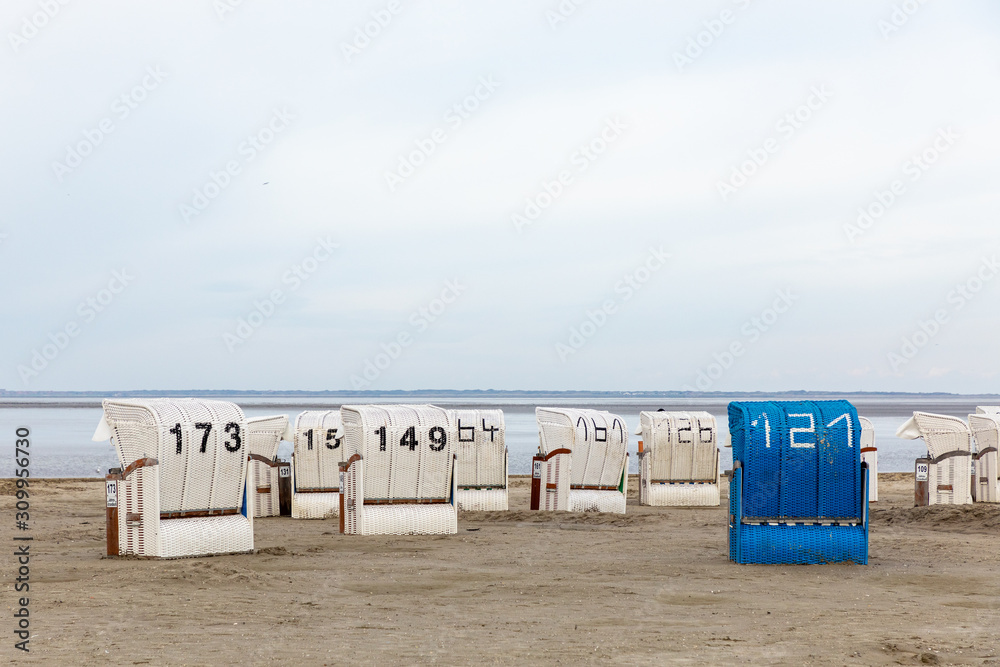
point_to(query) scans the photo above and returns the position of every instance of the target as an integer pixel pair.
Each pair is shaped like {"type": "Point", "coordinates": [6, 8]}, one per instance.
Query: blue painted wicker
{"type": "Point", "coordinates": [799, 491]}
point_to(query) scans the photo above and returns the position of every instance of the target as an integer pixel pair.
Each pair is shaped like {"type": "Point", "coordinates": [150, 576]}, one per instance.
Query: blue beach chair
{"type": "Point", "coordinates": [799, 490]}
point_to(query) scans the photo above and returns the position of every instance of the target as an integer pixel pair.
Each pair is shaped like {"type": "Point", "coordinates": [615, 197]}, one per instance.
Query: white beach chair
{"type": "Point", "coordinates": [399, 476]}
{"type": "Point", "coordinates": [679, 461]}
{"type": "Point", "coordinates": [949, 446]}
{"type": "Point", "coordinates": [264, 435]}
{"type": "Point", "coordinates": [181, 489]}
{"type": "Point", "coordinates": [481, 460]}
{"type": "Point", "coordinates": [986, 431]}
{"type": "Point", "coordinates": [595, 462]}
{"type": "Point", "coordinates": [869, 455]}
{"type": "Point", "coordinates": [316, 463]}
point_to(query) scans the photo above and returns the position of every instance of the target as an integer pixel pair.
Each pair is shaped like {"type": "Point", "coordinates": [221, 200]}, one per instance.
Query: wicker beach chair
{"type": "Point", "coordinates": [316, 463]}
{"type": "Point", "coordinates": [181, 488]}
{"type": "Point", "coordinates": [946, 471]}
{"type": "Point", "coordinates": [264, 435]}
{"type": "Point", "coordinates": [986, 431]}
{"type": "Point", "coordinates": [586, 451]}
{"type": "Point", "coordinates": [399, 475]}
{"type": "Point", "coordinates": [481, 460]}
{"type": "Point", "coordinates": [798, 493]}
{"type": "Point", "coordinates": [869, 455]}
{"type": "Point", "coordinates": [679, 461]}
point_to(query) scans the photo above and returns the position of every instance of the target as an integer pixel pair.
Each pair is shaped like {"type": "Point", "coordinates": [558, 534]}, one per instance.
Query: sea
{"type": "Point", "coordinates": [61, 428]}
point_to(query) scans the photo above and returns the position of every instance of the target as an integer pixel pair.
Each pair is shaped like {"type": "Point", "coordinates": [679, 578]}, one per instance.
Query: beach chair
{"type": "Point", "coordinates": [399, 474]}
{"type": "Point", "coordinates": [679, 461]}
{"type": "Point", "coordinates": [582, 461]}
{"type": "Point", "coordinates": [481, 460]}
{"type": "Point", "coordinates": [985, 428]}
{"type": "Point", "coordinates": [869, 455]}
{"type": "Point", "coordinates": [316, 463]}
{"type": "Point", "coordinates": [944, 476]}
{"type": "Point", "coordinates": [264, 435]}
{"type": "Point", "coordinates": [798, 493]}
{"type": "Point", "coordinates": [181, 488]}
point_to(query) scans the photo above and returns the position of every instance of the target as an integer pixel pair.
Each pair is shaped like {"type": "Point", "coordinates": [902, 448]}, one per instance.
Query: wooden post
{"type": "Point", "coordinates": [536, 481]}
{"type": "Point", "coordinates": [111, 481]}
{"type": "Point", "coordinates": [921, 483]}
{"type": "Point", "coordinates": [285, 489]}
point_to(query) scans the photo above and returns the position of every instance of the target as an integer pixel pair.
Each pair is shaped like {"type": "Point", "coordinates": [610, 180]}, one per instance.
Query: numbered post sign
{"type": "Point", "coordinates": [922, 469]}
{"type": "Point", "coordinates": [112, 493]}
{"type": "Point", "coordinates": [800, 459]}
{"type": "Point", "coordinates": [407, 450]}
{"type": "Point", "coordinates": [284, 471]}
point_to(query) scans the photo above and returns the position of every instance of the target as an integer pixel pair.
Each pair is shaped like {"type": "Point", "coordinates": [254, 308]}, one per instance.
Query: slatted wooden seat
{"type": "Point", "coordinates": [399, 475]}
{"type": "Point", "coordinates": [481, 460]}
{"type": "Point", "coordinates": [679, 461]}
{"type": "Point", "coordinates": [590, 447]}
{"type": "Point", "coordinates": [869, 456]}
{"type": "Point", "coordinates": [316, 460]}
{"type": "Point", "coordinates": [181, 488]}
{"type": "Point", "coordinates": [264, 437]}
{"type": "Point", "coordinates": [948, 462]}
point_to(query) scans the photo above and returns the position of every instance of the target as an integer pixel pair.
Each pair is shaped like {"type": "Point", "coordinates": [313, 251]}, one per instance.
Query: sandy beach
{"type": "Point", "coordinates": [651, 587]}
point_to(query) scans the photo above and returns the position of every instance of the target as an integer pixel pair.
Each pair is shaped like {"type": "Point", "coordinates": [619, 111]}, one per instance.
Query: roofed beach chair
{"type": "Point", "coordinates": [944, 477]}
{"type": "Point", "coordinates": [481, 463]}
{"type": "Point", "coordinates": [679, 461]}
{"type": "Point", "coordinates": [986, 431]}
{"type": "Point", "coordinates": [399, 474]}
{"type": "Point", "coordinates": [264, 435]}
{"type": "Point", "coordinates": [798, 494]}
{"type": "Point", "coordinates": [869, 455]}
{"type": "Point", "coordinates": [316, 463]}
{"type": "Point", "coordinates": [582, 461]}
{"type": "Point", "coordinates": [181, 488]}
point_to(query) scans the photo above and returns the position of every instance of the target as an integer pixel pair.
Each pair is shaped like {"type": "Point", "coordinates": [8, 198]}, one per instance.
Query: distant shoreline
{"type": "Point", "coordinates": [872, 404]}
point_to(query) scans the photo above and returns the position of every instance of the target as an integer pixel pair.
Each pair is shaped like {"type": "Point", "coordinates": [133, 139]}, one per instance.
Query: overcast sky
{"type": "Point", "coordinates": [505, 195]}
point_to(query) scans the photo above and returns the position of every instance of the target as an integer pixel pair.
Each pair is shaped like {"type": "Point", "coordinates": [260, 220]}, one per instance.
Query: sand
{"type": "Point", "coordinates": [651, 587]}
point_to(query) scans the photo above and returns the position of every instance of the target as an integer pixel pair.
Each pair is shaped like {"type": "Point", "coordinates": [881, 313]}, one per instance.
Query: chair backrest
{"type": "Point", "coordinates": [988, 410]}
{"type": "Point", "coordinates": [682, 446]}
{"type": "Point", "coordinates": [408, 450]}
{"type": "Point", "coordinates": [264, 435]}
{"type": "Point", "coordinates": [480, 450]}
{"type": "Point", "coordinates": [943, 433]}
{"type": "Point", "coordinates": [199, 445]}
{"type": "Point", "coordinates": [986, 430]}
{"type": "Point", "coordinates": [867, 432]}
{"type": "Point", "coordinates": [318, 443]}
{"type": "Point", "coordinates": [799, 459]}
{"type": "Point", "coordinates": [597, 439]}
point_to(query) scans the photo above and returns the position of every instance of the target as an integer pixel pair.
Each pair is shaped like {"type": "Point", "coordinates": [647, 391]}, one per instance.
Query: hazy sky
{"type": "Point", "coordinates": [728, 195]}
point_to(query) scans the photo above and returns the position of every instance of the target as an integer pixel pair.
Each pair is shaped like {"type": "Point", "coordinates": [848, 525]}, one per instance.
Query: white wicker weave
{"type": "Point", "coordinates": [988, 410]}
{"type": "Point", "coordinates": [481, 460]}
{"type": "Point", "coordinates": [949, 446]}
{"type": "Point", "coordinates": [264, 436]}
{"type": "Point", "coordinates": [679, 464]}
{"type": "Point", "coordinates": [399, 477]}
{"type": "Point", "coordinates": [318, 453]}
{"type": "Point", "coordinates": [598, 442]}
{"type": "Point", "coordinates": [184, 466]}
{"type": "Point", "coordinates": [869, 455]}
{"type": "Point", "coordinates": [986, 431]}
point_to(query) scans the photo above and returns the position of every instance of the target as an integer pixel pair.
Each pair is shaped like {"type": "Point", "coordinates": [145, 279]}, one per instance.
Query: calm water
{"type": "Point", "coordinates": [62, 447]}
